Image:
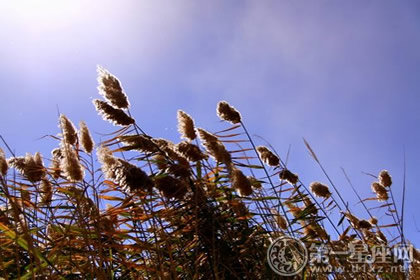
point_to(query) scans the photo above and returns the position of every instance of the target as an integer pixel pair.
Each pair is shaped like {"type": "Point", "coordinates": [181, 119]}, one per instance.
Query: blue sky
{"type": "Point", "coordinates": [342, 74]}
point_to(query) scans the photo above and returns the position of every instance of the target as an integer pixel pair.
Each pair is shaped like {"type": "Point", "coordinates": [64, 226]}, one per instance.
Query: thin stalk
{"type": "Point", "coordinates": [290, 229]}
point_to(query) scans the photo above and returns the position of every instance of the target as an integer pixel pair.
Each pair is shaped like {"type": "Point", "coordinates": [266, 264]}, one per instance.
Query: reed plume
{"type": "Point", "coordinates": [385, 179]}
{"type": "Point", "coordinates": [320, 190]}
{"type": "Point", "coordinates": [85, 138]}
{"type": "Point", "coordinates": [354, 221]}
{"type": "Point", "coordinates": [111, 114]}
{"type": "Point", "coordinates": [139, 142]}
{"type": "Point", "coordinates": [68, 130]}
{"type": "Point", "coordinates": [288, 176]}
{"type": "Point", "coordinates": [130, 177]}
{"type": "Point", "coordinates": [171, 187]}
{"type": "Point", "coordinates": [55, 163]}
{"type": "Point", "coordinates": [215, 148]}
{"type": "Point", "coordinates": [280, 220]}
{"type": "Point", "coordinates": [30, 166]}
{"type": "Point", "coordinates": [363, 224]}
{"type": "Point", "coordinates": [190, 151]}
{"type": "Point", "coordinates": [241, 183]}
{"type": "Point", "coordinates": [267, 156]}
{"type": "Point", "coordinates": [186, 126]}
{"type": "Point", "coordinates": [255, 183]}
{"type": "Point", "coordinates": [110, 88]}
{"type": "Point", "coordinates": [380, 191]}
{"type": "Point", "coordinates": [228, 113]}
{"type": "Point", "coordinates": [373, 220]}
{"type": "Point", "coordinates": [46, 191]}
{"type": "Point", "coordinates": [70, 164]}
{"type": "Point", "coordinates": [3, 163]}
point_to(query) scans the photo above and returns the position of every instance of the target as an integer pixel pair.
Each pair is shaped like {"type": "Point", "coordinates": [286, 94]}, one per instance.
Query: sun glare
{"type": "Point", "coordinates": [38, 13]}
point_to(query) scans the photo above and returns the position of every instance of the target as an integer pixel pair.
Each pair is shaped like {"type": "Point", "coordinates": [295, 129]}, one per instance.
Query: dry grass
{"type": "Point", "coordinates": [146, 208]}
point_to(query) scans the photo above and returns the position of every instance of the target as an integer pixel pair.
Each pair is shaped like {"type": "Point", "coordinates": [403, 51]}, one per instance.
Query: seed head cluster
{"type": "Point", "coordinates": [85, 138]}
{"type": "Point", "coordinates": [171, 187]}
{"type": "Point", "coordinates": [241, 183]}
{"type": "Point", "coordinates": [141, 143]}
{"type": "Point", "coordinates": [55, 163]}
{"type": "Point", "coordinates": [186, 126]}
{"type": "Point", "coordinates": [190, 151]}
{"type": "Point", "coordinates": [70, 164]}
{"type": "Point", "coordinates": [288, 176]}
{"type": "Point", "coordinates": [215, 148]}
{"type": "Point", "coordinates": [3, 163]}
{"type": "Point", "coordinates": [380, 191]}
{"type": "Point", "coordinates": [130, 177]}
{"type": "Point", "coordinates": [320, 190]}
{"type": "Point", "coordinates": [385, 179]}
{"type": "Point", "coordinates": [110, 88]}
{"type": "Point", "coordinates": [228, 113]}
{"type": "Point", "coordinates": [114, 115]}
{"type": "Point", "coordinates": [68, 130]}
{"type": "Point", "coordinates": [30, 166]}
{"type": "Point", "coordinates": [267, 156]}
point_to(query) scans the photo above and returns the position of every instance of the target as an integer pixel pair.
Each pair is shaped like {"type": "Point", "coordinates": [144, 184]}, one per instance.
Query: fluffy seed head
{"type": "Point", "coordinates": [309, 231]}
{"type": "Point", "coordinates": [111, 114]}
{"type": "Point", "coordinates": [179, 170]}
{"type": "Point", "coordinates": [267, 156]}
{"type": "Point", "coordinates": [171, 187]}
{"type": "Point", "coordinates": [3, 163]}
{"type": "Point", "coordinates": [108, 161]}
{"type": "Point", "coordinates": [160, 161]}
{"type": "Point", "coordinates": [55, 163]}
{"type": "Point", "coordinates": [85, 138]}
{"type": "Point", "coordinates": [138, 142]}
{"type": "Point", "coordinates": [214, 147]}
{"type": "Point", "coordinates": [206, 136]}
{"type": "Point", "coordinates": [190, 151]}
{"type": "Point", "coordinates": [169, 148]}
{"type": "Point", "coordinates": [70, 164]}
{"type": "Point", "coordinates": [288, 176]}
{"type": "Point", "coordinates": [68, 129]}
{"type": "Point", "coordinates": [352, 219]}
{"type": "Point", "coordinates": [186, 126]}
{"type": "Point", "coordinates": [239, 208]}
{"type": "Point", "coordinates": [110, 88]}
{"type": "Point", "coordinates": [310, 206]}
{"type": "Point", "coordinates": [373, 221]}
{"type": "Point", "coordinates": [131, 177]}
{"type": "Point", "coordinates": [321, 232]}
{"type": "Point", "coordinates": [280, 220]}
{"type": "Point", "coordinates": [296, 211]}
{"type": "Point", "coordinates": [254, 182]}
{"type": "Point", "coordinates": [46, 191]}
{"type": "Point", "coordinates": [320, 190]}
{"type": "Point", "coordinates": [380, 191]}
{"type": "Point", "coordinates": [127, 175]}
{"type": "Point", "coordinates": [241, 183]}
{"type": "Point", "coordinates": [228, 113]}
{"type": "Point", "coordinates": [381, 237]}
{"type": "Point", "coordinates": [17, 163]}
{"type": "Point", "coordinates": [363, 224]}
{"type": "Point", "coordinates": [385, 179]}
{"type": "Point", "coordinates": [30, 166]}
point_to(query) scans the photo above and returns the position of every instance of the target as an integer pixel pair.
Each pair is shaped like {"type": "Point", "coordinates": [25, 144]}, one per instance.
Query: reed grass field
{"type": "Point", "coordinates": [132, 206]}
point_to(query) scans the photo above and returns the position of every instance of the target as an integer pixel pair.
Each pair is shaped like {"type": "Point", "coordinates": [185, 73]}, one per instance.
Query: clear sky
{"type": "Point", "coordinates": [342, 74]}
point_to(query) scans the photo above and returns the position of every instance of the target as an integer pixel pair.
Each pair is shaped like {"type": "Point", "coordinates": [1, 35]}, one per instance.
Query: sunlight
{"type": "Point", "coordinates": [41, 13]}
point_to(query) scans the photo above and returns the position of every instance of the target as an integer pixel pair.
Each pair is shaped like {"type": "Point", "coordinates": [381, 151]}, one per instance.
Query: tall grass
{"type": "Point", "coordinates": [208, 207]}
